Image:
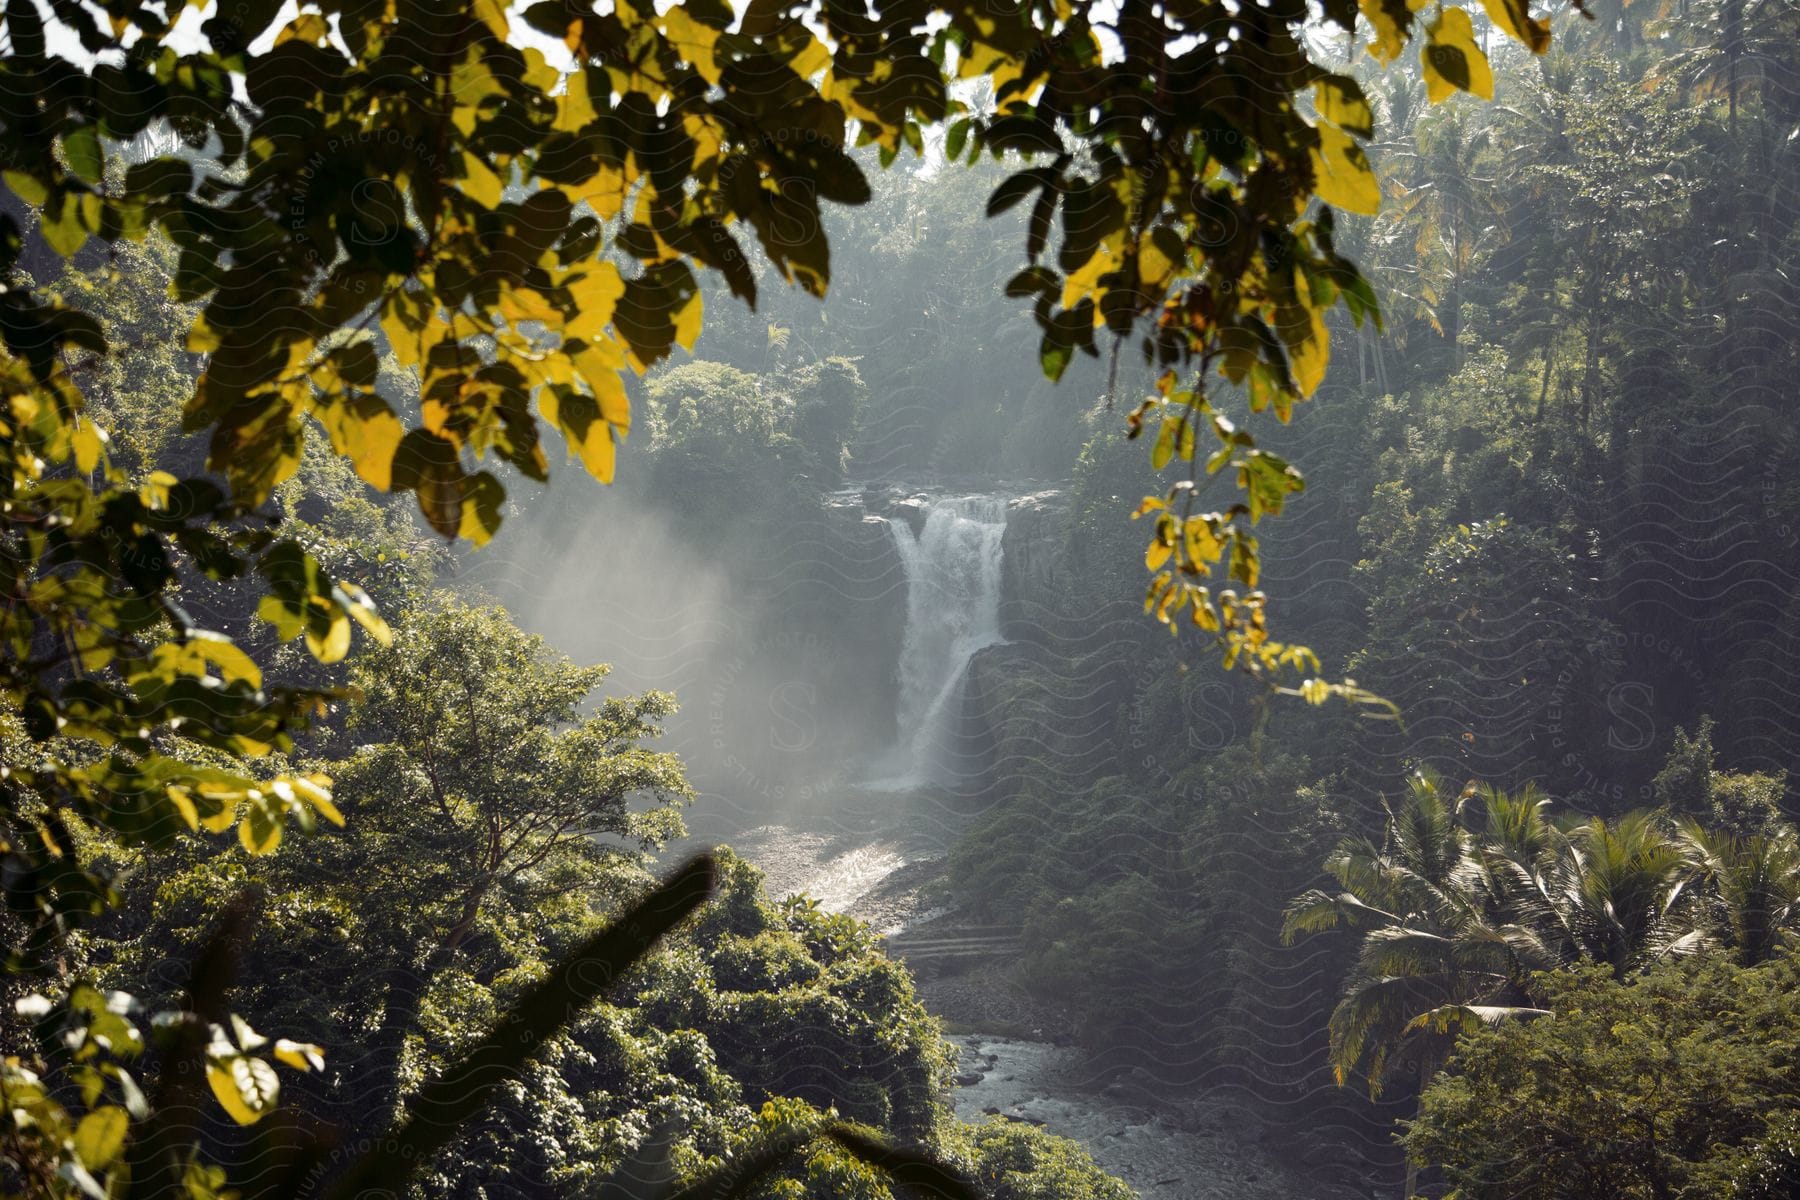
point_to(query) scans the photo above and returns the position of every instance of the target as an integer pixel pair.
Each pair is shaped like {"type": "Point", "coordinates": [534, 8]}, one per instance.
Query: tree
{"type": "Point", "coordinates": [1620, 894]}
{"type": "Point", "coordinates": [1754, 887]}
{"type": "Point", "coordinates": [1438, 956]}
{"type": "Point", "coordinates": [1457, 913]}
{"type": "Point", "coordinates": [1438, 953]}
{"type": "Point", "coordinates": [1473, 633]}
{"type": "Point", "coordinates": [1658, 1087]}
{"type": "Point", "coordinates": [1684, 785]}
{"type": "Point", "coordinates": [828, 399]}
{"type": "Point", "coordinates": [1451, 212]}
{"type": "Point", "coordinates": [711, 410]}
{"type": "Point", "coordinates": [483, 767]}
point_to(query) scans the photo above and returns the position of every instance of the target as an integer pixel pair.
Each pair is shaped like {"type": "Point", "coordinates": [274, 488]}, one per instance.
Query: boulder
{"type": "Point", "coordinates": [898, 505]}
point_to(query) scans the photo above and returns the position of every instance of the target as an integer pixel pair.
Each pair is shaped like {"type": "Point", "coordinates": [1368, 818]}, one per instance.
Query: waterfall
{"type": "Point", "coordinates": [952, 568]}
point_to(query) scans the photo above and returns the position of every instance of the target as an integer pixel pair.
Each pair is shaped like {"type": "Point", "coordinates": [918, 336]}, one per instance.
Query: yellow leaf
{"type": "Point", "coordinates": [999, 66]}
{"type": "Point", "coordinates": [359, 605]}
{"type": "Point", "coordinates": [402, 338]}
{"type": "Point", "coordinates": [538, 71]}
{"type": "Point", "coordinates": [202, 338]}
{"type": "Point", "coordinates": [519, 303]}
{"type": "Point", "coordinates": [184, 805]}
{"type": "Point", "coordinates": [604, 192]}
{"type": "Point", "coordinates": [471, 84]}
{"type": "Point", "coordinates": [493, 15]}
{"type": "Point", "coordinates": [1515, 17]}
{"type": "Point", "coordinates": [155, 492]}
{"type": "Point", "coordinates": [245, 1092]}
{"type": "Point", "coordinates": [307, 27]}
{"type": "Point", "coordinates": [1342, 176]}
{"type": "Point", "coordinates": [87, 441]}
{"type": "Point", "coordinates": [223, 817]}
{"type": "Point", "coordinates": [1308, 342]}
{"type": "Point", "coordinates": [232, 662]}
{"type": "Point", "coordinates": [365, 430]}
{"type": "Point", "coordinates": [1154, 267]}
{"type": "Point", "coordinates": [315, 790]}
{"type": "Point", "coordinates": [687, 322]}
{"type": "Point", "coordinates": [1390, 37]}
{"type": "Point", "coordinates": [615, 406]}
{"type": "Point", "coordinates": [100, 1136]}
{"type": "Point", "coordinates": [1157, 554]}
{"type": "Point", "coordinates": [1198, 540]}
{"type": "Point", "coordinates": [707, 144]}
{"type": "Point", "coordinates": [1452, 59]}
{"type": "Point", "coordinates": [1086, 280]}
{"type": "Point", "coordinates": [479, 181]}
{"type": "Point", "coordinates": [694, 42]}
{"type": "Point", "coordinates": [1163, 451]}
{"type": "Point", "coordinates": [1340, 101]}
{"type": "Point", "coordinates": [260, 830]}
{"type": "Point", "coordinates": [811, 60]}
{"type": "Point", "coordinates": [574, 108]}
{"type": "Point", "coordinates": [597, 451]}
{"type": "Point", "coordinates": [336, 642]}
{"type": "Point", "coordinates": [302, 1056]}
{"type": "Point", "coordinates": [595, 293]}
{"type": "Point", "coordinates": [599, 365]}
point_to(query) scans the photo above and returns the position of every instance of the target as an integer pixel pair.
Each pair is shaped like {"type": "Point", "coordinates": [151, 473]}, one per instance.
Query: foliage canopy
{"type": "Point", "coordinates": [411, 178]}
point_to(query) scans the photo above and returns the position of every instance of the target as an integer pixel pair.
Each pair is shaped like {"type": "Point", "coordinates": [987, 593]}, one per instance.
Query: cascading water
{"type": "Point", "coordinates": [952, 568]}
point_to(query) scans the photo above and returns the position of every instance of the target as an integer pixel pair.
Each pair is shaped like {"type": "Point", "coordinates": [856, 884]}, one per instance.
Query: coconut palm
{"type": "Point", "coordinates": [1438, 952]}
{"type": "Point", "coordinates": [1444, 214]}
{"type": "Point", "coordinates": [1620, 894]}
{"type": "Point", "coordinates": [1753, 887]}
{"type": "Point", "coordinates": [1733, 47]}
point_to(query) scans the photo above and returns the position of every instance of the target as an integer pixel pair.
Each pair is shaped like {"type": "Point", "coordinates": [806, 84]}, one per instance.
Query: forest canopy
{"type": "Point", "coordinates": [513, 209]}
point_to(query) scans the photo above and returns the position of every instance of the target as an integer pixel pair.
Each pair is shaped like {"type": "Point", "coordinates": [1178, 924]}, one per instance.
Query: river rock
{"type": "Point", "coordinates": [896, 504]}
{"type": "Point", "coordinates": [912, 511]}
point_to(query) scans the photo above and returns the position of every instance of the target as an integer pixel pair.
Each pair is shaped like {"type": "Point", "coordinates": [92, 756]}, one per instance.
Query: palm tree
{"type": "Point", "coordinates": [1619, 894]}
{"type": "Point", "coordinates": [1437, 957]}
{"type": "Point", "coordinates": [1444, 215]}
{"type": "Point", "coordinates": [1733, 47]}
{"type": "Point", "coordinates": [1438, 953]}
{"type": "Point", "coordinates": [1753, 901]}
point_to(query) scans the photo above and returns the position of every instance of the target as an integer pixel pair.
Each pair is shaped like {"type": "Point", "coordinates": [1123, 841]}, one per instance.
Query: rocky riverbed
{"type": "Point", "coordinates": [1017, 1059]}
{"type": "Point", "coordinates": [1164, 1152]}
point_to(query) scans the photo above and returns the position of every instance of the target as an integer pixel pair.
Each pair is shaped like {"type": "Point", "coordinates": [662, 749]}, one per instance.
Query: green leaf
{"type": "Point", "coordinates": [82, 148]}
{"type": "Point", "coordinates": [1012, 190]}
{"type": "Point", "coordinates": [955, 138]}
{"type": "Point", "coordinates": [1054, 355]}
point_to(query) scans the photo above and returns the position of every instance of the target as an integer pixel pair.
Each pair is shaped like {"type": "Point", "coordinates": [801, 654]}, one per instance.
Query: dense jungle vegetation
{"type": "Point", "coordinates": [1479, 865]}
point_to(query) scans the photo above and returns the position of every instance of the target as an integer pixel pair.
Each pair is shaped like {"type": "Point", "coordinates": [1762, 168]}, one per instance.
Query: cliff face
{"type": "Point", "coordinates": [855, 592]}
{"type": "Point", "coordinates": [1031, 563]}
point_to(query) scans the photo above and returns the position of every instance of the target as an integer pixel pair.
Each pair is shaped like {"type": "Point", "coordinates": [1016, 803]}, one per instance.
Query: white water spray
{"type": "Point", "coordinates": [952, 571]}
